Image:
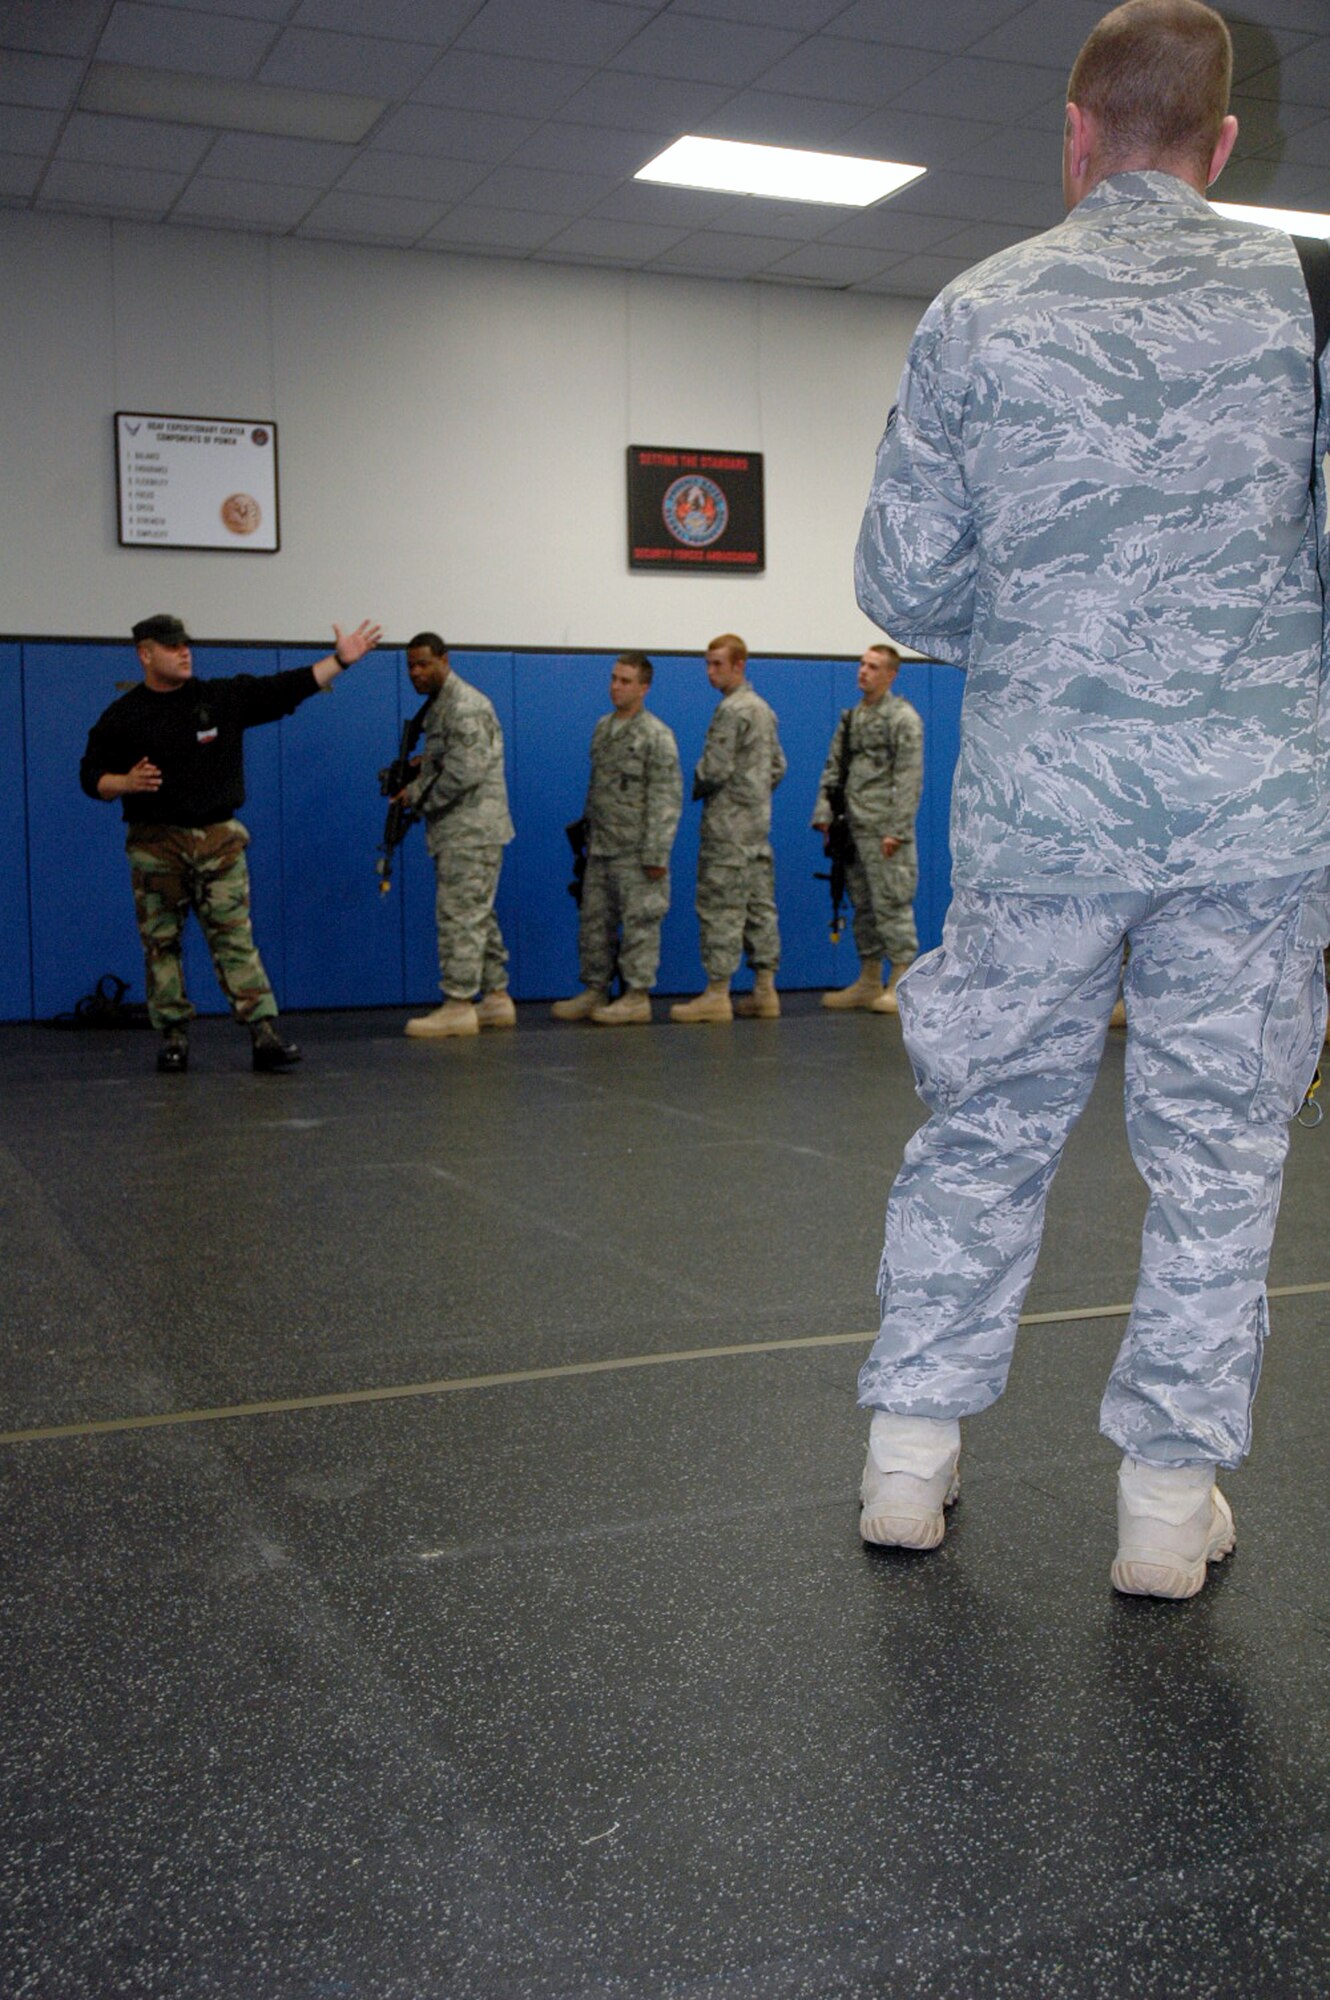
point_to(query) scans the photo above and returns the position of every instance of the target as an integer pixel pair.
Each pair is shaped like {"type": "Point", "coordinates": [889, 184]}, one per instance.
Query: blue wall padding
{"type": "Point", "coordinates": [327, 935]}
{"type": "Point", "coordinates": [15, 927]}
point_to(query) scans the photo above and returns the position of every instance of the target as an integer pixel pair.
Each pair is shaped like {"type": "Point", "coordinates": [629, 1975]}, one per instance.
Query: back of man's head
{"type": "Point", "coordinates": [1156, 74]}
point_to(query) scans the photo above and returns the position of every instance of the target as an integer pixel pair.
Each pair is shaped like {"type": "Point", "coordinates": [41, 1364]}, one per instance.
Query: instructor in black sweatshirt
{"type": "Point", "coordinates": [172, 751]}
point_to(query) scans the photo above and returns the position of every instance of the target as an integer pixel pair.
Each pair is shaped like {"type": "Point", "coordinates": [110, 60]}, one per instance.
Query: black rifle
{"type": "Point", "coordinates": [839, 840]}
{"type": "Point", "coordinates": [576, 831]}
{"type": "Point", "coordinates": [393, 779]}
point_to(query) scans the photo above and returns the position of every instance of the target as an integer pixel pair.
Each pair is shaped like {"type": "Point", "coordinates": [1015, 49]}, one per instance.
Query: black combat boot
{"type": "Point", "coordinates": [270, 1051]}
{"type": "Point", "coordinates": [173, 1055]}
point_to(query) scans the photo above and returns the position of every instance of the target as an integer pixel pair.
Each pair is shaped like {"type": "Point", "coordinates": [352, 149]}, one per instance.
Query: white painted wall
{"type": "Point", "coordinates": [452, 434]}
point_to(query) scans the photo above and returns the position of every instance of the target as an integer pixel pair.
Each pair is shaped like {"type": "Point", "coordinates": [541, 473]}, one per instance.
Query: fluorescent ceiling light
{"type": "Point", "coordinates": [1297, 221]}
{"type": "Point", "coordinates": [782, 172]}
{"type": "Point", "coordinates": [234, 107]}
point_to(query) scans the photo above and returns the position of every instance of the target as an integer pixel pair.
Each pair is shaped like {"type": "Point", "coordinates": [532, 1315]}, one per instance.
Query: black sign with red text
{"type": "Point", "coordinates": [695, 510]}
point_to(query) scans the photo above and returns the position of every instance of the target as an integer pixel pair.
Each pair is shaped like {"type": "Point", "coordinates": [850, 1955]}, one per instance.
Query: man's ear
{"type": "Point", "coordinates": [1228, 135]}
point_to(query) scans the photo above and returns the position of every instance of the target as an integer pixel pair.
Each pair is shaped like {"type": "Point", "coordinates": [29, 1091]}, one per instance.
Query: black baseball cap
{"type": "Point", "coordinates": [166, 630]}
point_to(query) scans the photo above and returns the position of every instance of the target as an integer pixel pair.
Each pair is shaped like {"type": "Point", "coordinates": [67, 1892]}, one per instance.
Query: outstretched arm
{"type": "Point", "coordinates": [348, 647]}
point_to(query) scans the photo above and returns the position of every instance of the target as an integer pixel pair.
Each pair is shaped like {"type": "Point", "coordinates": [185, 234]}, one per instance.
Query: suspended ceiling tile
{"type": "Point", "coordinates": [924, 24]}
{"type": "Point", "coordinates": [888, 228]}
{"type": "Point", "coordinates": [587, 149]}
{"type": "Point", "coordinates": [978, 240]}
{"type": "Point", "coordinates": [644, 201]}
{"type": "Point", "coordinates": [797, 222]}
{"type": "Point", "coordinates": [133, 142]}
{"type": "Point", "coordinates": [1310, 147]}
{"type": "Point", "coordinates": [254, 10]}
{"type": "Point", "coordinates": [456, 135]}
{"type": "Point", "coordinates": [984, 198]}
{"type": "Point", "coordinates": [413, 175]}
{"type": "Point", "coordinates": [243, 204]}
{"type": "Point", "coordinates": [917, 277]}
{"type": "Point", "coordinates": [704, 51]}
{"type": "Point", "coordinates": [471, 227]}
{"type": "Point", "coordinates": [309, 59]}
{"type": "Point", "coordinates": [772, 118]}
{"type": "Point", "coordinates": [19, 175]}
{"type": "Point", "coordinates": [183, 39]}
{"type": "Point", "coordinates": [1048, 32]}
{"type": "Point", "coordinates": [47, 81]}
{"type": "Point", "coordinates": [804, 15]}
{"type": "Point", "coordinates": [51, 27]}
{"type": "Point", "coordinates": [1018, 153]}
{"type": "Point", "coordinates": [721, 256]}
{"type": "Point", "coordinates": [588, 31]}
{"type": "Point", "coordinates": [253, 156]}
{"type": "Point", "coordinates": [967, 88]}
{"type": "Point", "coordinates": [898, 134]}
{"type": "Point", "coordinates": [661, 105]}
{"type": "Point", "coordinates": [473, 81]}
{"type": "Point", "coordinates": [1255, 48]}
{"type": "Point", "coordinates": [27, 128]}
{"type": "Point", "coordinates": [829, 264]}
{"type": "Point", "coordinates": [617, 242]}
{"type": "Point", "coordinates": [867, 73]}
{"type": "Point", "coordinates": [545, 191]}
{"type": "Point", "coordinates": [370, 217]}
{"type": "Point", "coordinates": [433, 21]}
{"type": "Point", "coordinates": [107, 190]}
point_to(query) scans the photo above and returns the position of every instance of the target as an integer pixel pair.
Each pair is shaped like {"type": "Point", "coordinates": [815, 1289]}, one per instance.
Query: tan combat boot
{"type": "Point", "coordinates": [581, 1006]}
{"type": "Point", "coordinates": [886, 999]}
{"type": "Point", "coordinates": [455, 1017]}
{"type": "Point", "coordinates": [713, 1005]}
{"type": "Point", "coordinates": [632, 1009]}
{"type": "Point", "coordinates": [763, 1003]}
{"type": "Point", "coordinates": [496, 1010]}
{"type": "Point", "coordinates": [866, 989]}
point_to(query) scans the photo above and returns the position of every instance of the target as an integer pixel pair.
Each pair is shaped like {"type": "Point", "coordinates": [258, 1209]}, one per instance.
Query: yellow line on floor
{"type": "Point", "coordinates": [454, 1385]}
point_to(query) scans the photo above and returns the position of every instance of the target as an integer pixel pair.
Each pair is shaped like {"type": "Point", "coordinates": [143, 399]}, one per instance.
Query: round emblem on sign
{"type": "Point", "coordinates": [696, 511]}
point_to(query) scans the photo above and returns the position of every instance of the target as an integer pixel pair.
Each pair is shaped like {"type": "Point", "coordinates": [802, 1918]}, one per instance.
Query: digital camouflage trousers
{"type": "Point", "coordinates": [472, 956]}
{"type": "Point", "coordinates": [622, 911]}
{"type": "Point", "coordinates": [882, 895]}
{"type": "Point", "coordinates": [1004, 1025]}
{"type": "Point", "coordinates": [176, 869]}
{"type": "Point", "coordinates": [736, 913]}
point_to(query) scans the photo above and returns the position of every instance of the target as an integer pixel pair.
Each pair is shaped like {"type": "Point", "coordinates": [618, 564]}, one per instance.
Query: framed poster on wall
{"type": "Point", "coordinates": [695, 511]}
{"type": "Point", "coordinates": [196, 483]}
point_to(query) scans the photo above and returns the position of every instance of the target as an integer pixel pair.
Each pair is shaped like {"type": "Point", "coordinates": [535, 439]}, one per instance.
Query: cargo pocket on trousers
{"type": "Point", "coordinates": [939, 999]}
{"type": "Point", "coordinates": [1294, 1025]}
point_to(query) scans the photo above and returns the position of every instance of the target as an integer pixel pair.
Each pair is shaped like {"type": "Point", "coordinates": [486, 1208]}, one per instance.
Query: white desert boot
{"type": "Point", "coordinates": [496, 1009]}
{"type": "Point", "coordinates": [581, 1006]}
{"type": "Point", "coordinates": [455, 1017]}
{"type": "Point", "coordinates": [1172, 1523]}
{"type": "Point", "coordinates": [910, 1479]}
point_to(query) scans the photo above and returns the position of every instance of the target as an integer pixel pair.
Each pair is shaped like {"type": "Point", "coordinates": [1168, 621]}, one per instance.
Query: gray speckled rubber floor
{"type": "Point", "coordinates": [584, 1686]}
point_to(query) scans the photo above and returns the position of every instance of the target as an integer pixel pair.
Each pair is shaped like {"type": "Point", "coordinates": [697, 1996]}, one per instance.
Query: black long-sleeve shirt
{"type": "Point", "coordinates": [194, 734]}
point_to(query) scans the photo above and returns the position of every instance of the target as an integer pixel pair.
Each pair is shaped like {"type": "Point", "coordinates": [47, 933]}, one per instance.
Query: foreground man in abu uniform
{"type": "Point", "coordinates": [1095, 494]}
{"type": "Point", "coordinates": [172, 752]}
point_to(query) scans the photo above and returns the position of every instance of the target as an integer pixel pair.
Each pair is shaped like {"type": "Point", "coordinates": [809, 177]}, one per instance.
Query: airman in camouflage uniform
{"type": "Point", "coordinates": [1102, 494]}
{"type": "Point", "coordinates": [879, 748]}
{"type": "Point", "coordinates": [741, 765]}
{"type": "Point", "coordinates": [462, 796]}
{"type": "Point", "coordinates": [632, 812]}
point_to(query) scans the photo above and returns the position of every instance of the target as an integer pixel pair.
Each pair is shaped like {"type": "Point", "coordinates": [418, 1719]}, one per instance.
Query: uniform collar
{"type": "Point", "coordinates": [1152, 188]}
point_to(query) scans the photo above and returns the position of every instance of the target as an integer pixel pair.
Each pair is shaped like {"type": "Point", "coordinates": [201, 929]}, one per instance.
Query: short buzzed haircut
{"type": "Point", "coordinates": [730, 644]}
{"type": "Point", "coordinates": [890, 652]}
{"type": "Point", "coordinates": [1156, 74]}
{"type": "Point", "coordinates": [640, 664]}
{"type": "Point", "coordinates": [430, 641]}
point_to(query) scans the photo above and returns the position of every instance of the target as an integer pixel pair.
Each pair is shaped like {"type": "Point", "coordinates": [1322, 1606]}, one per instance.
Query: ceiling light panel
{"type": "Point", "coordinates": [782, 173]}
{"type": "Point", "coordinates": [1297, 221]}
